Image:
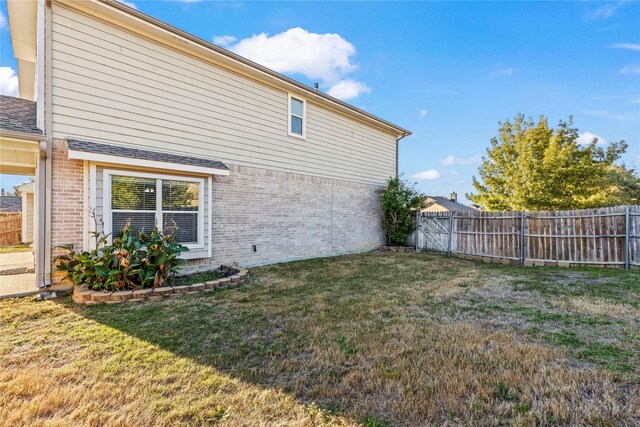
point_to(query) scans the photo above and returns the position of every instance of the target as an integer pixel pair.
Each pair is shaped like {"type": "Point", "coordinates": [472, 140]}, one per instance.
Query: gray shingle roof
{"type": "Point", "coordinates": [18, 115]}
{"type": "Point", "coordinates": [451, 205]}
{"type": "Point", "coordinates": [135, 153]}
{"type": "Point", "coordinates": [10, 204]}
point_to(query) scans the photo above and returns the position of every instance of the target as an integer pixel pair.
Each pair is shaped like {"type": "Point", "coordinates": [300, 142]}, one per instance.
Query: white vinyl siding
{"type": "Point", "coordinates": [112, 86]}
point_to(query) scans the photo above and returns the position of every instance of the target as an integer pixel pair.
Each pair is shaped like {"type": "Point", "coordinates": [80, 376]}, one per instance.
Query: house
{"type": "Point", "coordinates": [10, 205]}
{"type": "Point", "coordinates": [26, 191]}
{"type": "Point", "coordinates": [126, 117]}
{"type": "Point", "coordinates": [22, 205]}
{"type": "Point", "coordinates": [443, 204]}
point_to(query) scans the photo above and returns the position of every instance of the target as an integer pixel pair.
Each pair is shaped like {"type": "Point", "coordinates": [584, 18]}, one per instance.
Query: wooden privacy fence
{"type": "Point", "coordinates": [594, 237]}
{"type": "Point", "coordinates": [10, 229]}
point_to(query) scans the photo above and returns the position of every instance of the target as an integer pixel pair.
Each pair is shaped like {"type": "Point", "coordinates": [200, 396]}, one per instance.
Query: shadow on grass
{"type": "Point", "coordinates": [280, 331]}
{"type": "Point", "coordinates": [300, 328]}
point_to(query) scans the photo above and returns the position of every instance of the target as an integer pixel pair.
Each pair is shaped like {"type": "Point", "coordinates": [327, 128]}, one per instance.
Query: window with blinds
{"type": "Point", "coordinates": [170, 204]}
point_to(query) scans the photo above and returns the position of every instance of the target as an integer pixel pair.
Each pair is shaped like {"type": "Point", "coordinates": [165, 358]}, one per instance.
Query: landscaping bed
{"type": "Point", "coordinates": [225, 278]}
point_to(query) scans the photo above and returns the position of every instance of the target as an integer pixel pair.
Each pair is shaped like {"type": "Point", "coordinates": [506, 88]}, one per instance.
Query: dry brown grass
{"type": "Point", "coordinates": [401, 339]}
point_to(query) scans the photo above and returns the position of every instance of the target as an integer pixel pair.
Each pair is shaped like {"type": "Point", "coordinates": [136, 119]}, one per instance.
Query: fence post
{"type": "Point", "coordinates": [522, 218]}
{"type": "Point", "coordinates": [417, 227]}
{"type": "Point", "coordinates": [451, 215]}
{"type": "Point", "coordinates": [627, 242]}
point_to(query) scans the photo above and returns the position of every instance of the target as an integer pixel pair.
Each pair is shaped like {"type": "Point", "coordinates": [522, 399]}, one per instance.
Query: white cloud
{"type": "Point", "coordinates": [455, 160]}
{"type": "Point", "coordinates": [503, 72]}
{"type": "Point", "coordinates": [424, 112]}
{"type": "Point", "coordinates": [606, 11]}
{"type": "Point", "coordinates": [3, 20]}
{"type": "Point", "coordinates": [586, 138]}
{"type": "Point", "coordinates": [348, 89]}
{"type": "Point", "coordinates": [224, 40]}
{"type": "Point", "coordinates": [630, 69]}
{"type": "Point", "coordinates": [325, 58]}
{"type": "Point", "coordinates": [8, 82]}
{"type": "Point", "coordinates": [322, 56]}
{"type": "Point", "coordinates": [128, 3]}
{"type": "Point", "coordinates": [428, 175]}
{"type": "Point", "coordinates": [631, 46]}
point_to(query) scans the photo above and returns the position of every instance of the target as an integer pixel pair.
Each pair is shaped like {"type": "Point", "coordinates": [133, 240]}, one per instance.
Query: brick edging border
{"type": "Point", "coordinates": [88, 297]}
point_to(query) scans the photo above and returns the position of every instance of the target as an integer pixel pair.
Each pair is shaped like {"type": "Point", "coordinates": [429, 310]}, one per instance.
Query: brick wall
{"type": "Point", "coordinates": [290, 216]}
{"type": "Point", "coordinates": [66, 201]}
{"type": "Point", "coordinates": [286, 216]}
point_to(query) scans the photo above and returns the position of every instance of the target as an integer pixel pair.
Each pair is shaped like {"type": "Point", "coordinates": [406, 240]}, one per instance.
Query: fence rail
{"type": "Point", "coordinates": [10, 229]}
{"type": "Point", "coordinates": [598, 237]}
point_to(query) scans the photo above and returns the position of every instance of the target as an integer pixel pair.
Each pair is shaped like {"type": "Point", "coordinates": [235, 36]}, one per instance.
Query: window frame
{"type": "Point", "coordinates": [107, 216]}
{"type": "Point", "coordinates": [304, 116]}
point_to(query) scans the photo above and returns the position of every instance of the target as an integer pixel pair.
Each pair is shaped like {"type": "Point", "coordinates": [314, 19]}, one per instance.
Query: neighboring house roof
{"type": "Point", "coordinates": [233, 56]}
{"type": "Point", "coordinates": [18, 115]}
{"type": "Point", "coordinates": [134, 153]}
{"type": "Point", "coordinates": [450, 205]}
{"type": "Point", "coordinates": [9, 204]}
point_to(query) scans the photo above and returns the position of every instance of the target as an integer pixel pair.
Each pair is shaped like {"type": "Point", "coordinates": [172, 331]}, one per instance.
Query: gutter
{"type": "Point", "coordinates": [22, 135]}
{"type": "Point", "coordinates": [406, 134]}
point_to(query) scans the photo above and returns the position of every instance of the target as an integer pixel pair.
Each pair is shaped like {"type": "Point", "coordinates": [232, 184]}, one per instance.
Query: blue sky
{"type": "Point", "coordinates": [447, 71]}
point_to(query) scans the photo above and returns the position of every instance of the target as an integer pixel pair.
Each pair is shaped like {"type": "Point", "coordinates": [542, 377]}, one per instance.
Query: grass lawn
{"type": "Point", "coordinates": [20, 247]}
{"type": "Point", "coordinates": [377, 339]}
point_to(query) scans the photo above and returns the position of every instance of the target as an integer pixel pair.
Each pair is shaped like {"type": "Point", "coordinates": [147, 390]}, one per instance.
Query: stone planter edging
{"type": "Point", "coordinates": [88, 297]}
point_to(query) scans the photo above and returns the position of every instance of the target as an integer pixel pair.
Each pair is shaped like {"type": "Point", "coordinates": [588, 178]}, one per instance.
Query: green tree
{"type": "Point", "coordinates": [4, 192]}
{"type": "Point", "coordinates": [532, 166]}
{"type": "Point", "coordinates": [398, 199]}
{"type": "Point", "coordinates": [625, 184]}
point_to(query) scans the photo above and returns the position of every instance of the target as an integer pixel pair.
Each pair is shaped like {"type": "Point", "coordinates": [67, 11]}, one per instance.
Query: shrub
{"type": "Point", "coordinates": [398, 199]}
{"type": "Point", "coordinates": [132, 261]}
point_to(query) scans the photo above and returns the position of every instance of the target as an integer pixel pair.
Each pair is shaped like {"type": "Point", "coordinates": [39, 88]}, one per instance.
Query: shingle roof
{"type": "Point", "coordinates": [18, 115]}
{"type": "Point", "coordinates": [10, 204]}
{"type": "Point", "coordinates": [451, 205]}
{"type": "Point", "coordinates": [135, 153]}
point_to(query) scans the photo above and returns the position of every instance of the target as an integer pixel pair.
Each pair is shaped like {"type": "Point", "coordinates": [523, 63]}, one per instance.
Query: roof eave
{"type": "Point", "coordinates": [4, 133]}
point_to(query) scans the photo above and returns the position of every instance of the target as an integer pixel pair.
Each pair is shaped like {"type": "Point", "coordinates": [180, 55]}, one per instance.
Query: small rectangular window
{"type": "Point", "coordinates": [296, 117]}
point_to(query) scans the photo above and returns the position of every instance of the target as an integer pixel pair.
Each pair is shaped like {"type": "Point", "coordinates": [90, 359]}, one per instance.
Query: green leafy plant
{"type": "Point", "coordinates": [398, 200]}
{"type": "Point", "coordinates": [503, 392]}
{"type": "Point", "coordinates": [347, 347]}
{"type": "Point", "coordinates": [134, 260]}
{"type": "Point", "coordinates": [373, 421]}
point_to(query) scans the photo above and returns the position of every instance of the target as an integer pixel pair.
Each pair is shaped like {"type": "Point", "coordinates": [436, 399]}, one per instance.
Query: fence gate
{"type": "Point", "coordinates": [434, 232]}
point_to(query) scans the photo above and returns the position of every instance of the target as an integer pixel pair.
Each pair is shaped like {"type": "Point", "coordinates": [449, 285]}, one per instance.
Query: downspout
{"type": "Point", "coordinates": [404, 135]}
{"type": "Point", "coordinates": [41, 212]}
{"type": "Point", "coordinates": [48, 119]}
{"type": "Point", "coordinates": [41, 198]}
